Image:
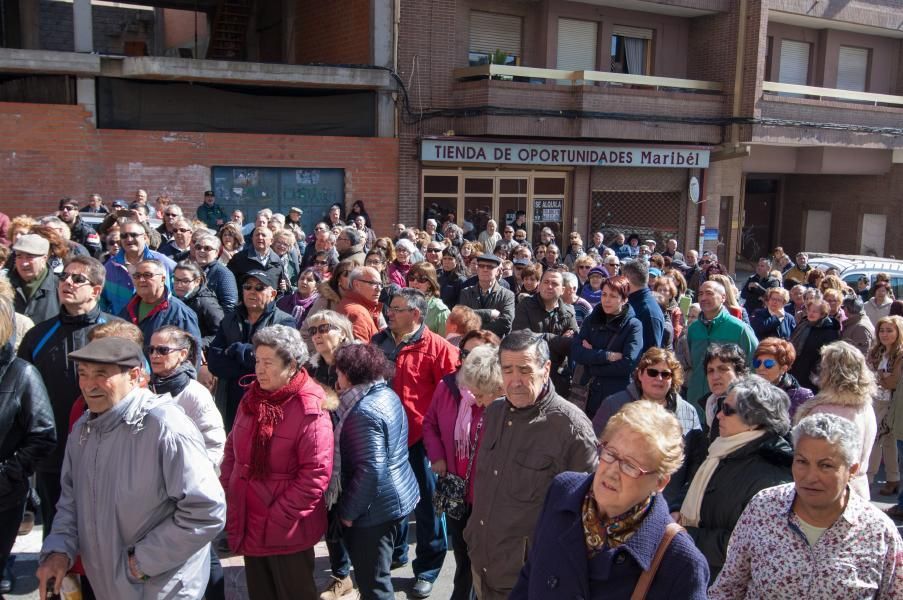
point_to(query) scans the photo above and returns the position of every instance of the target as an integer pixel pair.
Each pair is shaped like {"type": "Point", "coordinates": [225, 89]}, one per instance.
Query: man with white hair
{"type": "Point", "coordinates": [431, 228]}
{"type": "Point", "coordinates": [714, 326]}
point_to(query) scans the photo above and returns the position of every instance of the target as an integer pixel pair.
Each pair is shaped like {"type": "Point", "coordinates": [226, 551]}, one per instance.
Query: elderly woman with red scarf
{"type": "Point", "coordinates": [277, 465]}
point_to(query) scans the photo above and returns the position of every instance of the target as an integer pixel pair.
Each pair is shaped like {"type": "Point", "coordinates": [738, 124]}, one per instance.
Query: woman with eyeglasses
{"type": "Point", "coordinates": [299, 303]}
{"type": "Point", "coordinates": [772, 361]}
{"type": "Point", "coordinates": [451, 435]}
{"type": "Point", "coordinates": [597, 534]}
{"type": "Point", "coordinates": [330, 290]}
{"type": "Point", "coordinates": [232, 241]}
{"type": "Point", "coordinates": [231, 354]}
{"type": "Point", "coordinates": [422, 277]}
{"type": "Point", "coordinates": [190, 286]}
{"type": "Point", "coordinates": [750, 454]}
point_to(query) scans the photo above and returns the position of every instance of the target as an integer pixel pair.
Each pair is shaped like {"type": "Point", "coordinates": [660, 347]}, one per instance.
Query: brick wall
{"type": "Point", "coordinates": [112, 26]}
{"type": "Point", "coordinates": [848, 198]}
{"type": "Point", "coordinates": [50, 151]}
{"type": "Point", "coordinates": [337, 31]}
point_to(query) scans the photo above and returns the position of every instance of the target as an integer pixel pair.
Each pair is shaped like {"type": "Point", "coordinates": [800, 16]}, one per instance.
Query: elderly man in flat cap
{"type": "Point", "coordinates": [140, 500]}
{"type": "Point", "coordinates": [34, 282]}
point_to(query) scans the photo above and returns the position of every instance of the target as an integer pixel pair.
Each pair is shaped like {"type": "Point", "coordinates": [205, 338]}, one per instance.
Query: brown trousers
{"type": "Point", "coordinates": [281, 577]}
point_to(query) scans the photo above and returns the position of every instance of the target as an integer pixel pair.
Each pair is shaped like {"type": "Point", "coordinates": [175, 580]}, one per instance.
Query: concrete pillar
{"type": "Point", "coordinates": [382, 53]}
{"type": "Point", "coordinates": [86, 95]}
{"type": "Point", "coordinates": [83, 29]}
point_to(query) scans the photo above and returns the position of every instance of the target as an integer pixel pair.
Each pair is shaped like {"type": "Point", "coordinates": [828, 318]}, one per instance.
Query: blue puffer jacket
{"type": "Point", "coordinates": [378, 484]}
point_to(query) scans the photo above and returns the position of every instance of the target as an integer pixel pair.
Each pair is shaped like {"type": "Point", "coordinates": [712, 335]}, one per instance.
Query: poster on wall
{"type": "Point", "coordinates": [547, 210]}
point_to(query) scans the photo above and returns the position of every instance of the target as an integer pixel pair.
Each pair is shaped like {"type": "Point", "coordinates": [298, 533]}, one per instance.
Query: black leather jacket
{"type": "Point", "coordinates": [27, 433]}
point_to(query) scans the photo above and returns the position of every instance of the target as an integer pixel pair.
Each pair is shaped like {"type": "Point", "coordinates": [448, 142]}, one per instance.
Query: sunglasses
{"type": "Point", "coordinates": [172, 214]}
{"type": "Point", "coordinates": [657, 374]}
{"type": "Point", "coordinates": [141, 276]}
{"type": "Point", "coordinates": [418, 279]}
{"type": "Point", "coordinates": [130, 236]}
{"type": "Point", "coordinates": [768, 362]}
{"type": "Point", "coordinates": [434, 249]}
{"type": "Point", "coordinates": [322, 329]}
{"type": "Point", "coordinates": [727, 410]}
{"type": "Point", "coordinates": [77, 278]}
{"type": "Point", "coordinates": [161, 350]}
{"type": "Point", "coordinates": [259, 287]}
{"type": "Point", "coordinates": [182, 230]}
{"type": "Point", "coordinates": [68, 209]}
{"type": "Point", "coordinates": [200, 248]}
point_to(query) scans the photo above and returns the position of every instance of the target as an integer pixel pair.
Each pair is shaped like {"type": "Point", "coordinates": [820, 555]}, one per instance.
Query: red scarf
{"type": "Point", "coordinates": [266, 410]}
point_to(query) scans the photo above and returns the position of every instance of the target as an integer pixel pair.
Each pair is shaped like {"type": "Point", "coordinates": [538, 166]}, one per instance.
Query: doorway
{"type": "Point", "coordinates": [759, 209]}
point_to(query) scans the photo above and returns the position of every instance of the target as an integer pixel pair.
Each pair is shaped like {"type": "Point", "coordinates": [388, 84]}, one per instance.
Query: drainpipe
{"type": "Point", "coordinates": [738, 73]}
{"type": "Point", "coordinates": [396, 25]}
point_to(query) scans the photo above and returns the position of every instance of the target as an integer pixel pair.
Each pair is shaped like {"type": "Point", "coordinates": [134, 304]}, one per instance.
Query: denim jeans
{"type": "Point", "coordinates": [370, 549]}
{"type": "Point", "coordinates": [431, 543]}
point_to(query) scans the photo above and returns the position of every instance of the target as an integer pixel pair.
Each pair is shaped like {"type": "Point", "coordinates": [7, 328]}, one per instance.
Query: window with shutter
{"type": "Point", "coordinates": [794, 62]}
{"type": "Point", "coordinates": [577, 45]}
{"type": "Point", "coordinates": [852, 69]}
{"type": "Point", "coordinates": [494, 34]}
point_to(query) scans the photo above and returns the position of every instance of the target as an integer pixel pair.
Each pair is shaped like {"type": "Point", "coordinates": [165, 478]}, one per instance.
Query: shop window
{"type": "Point", "coordinates": [852, 69]}
{"type": "Point", "coordinates": [794, 67]}
{"type": "Point", "coordinates": [630, 50]}
{"type": "Point", "coordinates": [494, 38]}
{"type": "Point", "coordinates": [576, 45]}
{"type": "Point", "coordinates": [440, 197]}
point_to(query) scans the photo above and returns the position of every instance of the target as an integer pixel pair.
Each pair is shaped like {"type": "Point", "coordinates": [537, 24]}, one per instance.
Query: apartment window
{"type": "Point", "coordinates": [494, 38]}
{"type": "Point", "coordinates": [794, 62]}
{"type": "Point", "coordinates": [852, 69]}
{"type": "Point", "coordinates": [577, 45]}
{"type": "Point", "coordinates": [630, 50]}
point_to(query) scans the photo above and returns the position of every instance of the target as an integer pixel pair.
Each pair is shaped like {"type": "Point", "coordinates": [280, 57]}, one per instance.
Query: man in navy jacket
{"type": "Point", "coordinates": [644, 304]}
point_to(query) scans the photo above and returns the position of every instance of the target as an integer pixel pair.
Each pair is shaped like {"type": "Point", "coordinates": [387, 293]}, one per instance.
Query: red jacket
{"type": "Point", "coordinates": [286, 512]}
{"type": "Point", "coordinates": [364, 315]}
{"type": "Point", "coordinates": [420, 364]}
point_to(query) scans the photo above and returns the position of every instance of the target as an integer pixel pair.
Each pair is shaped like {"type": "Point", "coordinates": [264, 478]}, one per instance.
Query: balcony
{"type": "Point", "coordinates": [827, 116]}
{"type": "Point", "coordinates": [512, 100]}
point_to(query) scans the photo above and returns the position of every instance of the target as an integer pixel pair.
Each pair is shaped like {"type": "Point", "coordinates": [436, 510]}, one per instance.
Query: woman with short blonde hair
{"type": "Point", "coordinates": [422, 277]}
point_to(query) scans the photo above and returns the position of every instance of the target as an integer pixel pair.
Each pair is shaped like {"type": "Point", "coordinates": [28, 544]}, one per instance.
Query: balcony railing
{"type": "Point", "coordinates": [537, 75]}
{"type": "Point", "coordinates": [832, 94]}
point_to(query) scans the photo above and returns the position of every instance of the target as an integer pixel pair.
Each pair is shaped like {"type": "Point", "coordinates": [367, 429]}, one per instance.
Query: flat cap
{"type": "Point", "coordinates": [295, 209]}
{"type": "Point", "coordinates": [522, 262]}
{"type": "Point", "coordinates": [110, 351]}
{"type": "Point", "coordinates": [489, 258]}
{"type": "Point", "coordinates": [32, 243]}
{"type": "Point", "coordinates": [267, 278]}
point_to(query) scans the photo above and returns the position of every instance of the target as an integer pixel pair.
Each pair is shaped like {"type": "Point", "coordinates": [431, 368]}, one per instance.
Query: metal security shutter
{"type": "Point", "coordinates": [632, 32]}
{"type": "Point", "coordinates": [576, 45]}
{"type": "Point", "coordinates": [852, 68]}
{"type": "Point", "coordinates": [794, 62]}
{"type": "Point", "coordinates": [491, 31]}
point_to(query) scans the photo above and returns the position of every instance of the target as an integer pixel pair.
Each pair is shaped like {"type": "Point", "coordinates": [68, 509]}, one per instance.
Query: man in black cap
{"type": "Point", "coordinates": [47, 345]}
{"type": "Point", "coordinates": [32, 279]}
{"type": "Point", "coordinates": [79, 231]}
{"type": "Point", "coordinates": [231, 354]}
{"type": "Point", "coordinates": [493, 303]}
{"type": "Point", "coordinates": [210, 212]}
{"type": "Point", "coordinates": [139, 474]}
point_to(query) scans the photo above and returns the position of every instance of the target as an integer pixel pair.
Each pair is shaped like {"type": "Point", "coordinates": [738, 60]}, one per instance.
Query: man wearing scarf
{"type": "Point", "coordinates": [139, 474]}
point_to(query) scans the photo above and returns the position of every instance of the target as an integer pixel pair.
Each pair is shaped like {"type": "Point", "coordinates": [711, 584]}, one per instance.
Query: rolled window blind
{"type": "Point", "coordinates": [794, 62]}
{"type": "Point", "coordinates": [577, 45]}
{"type": "Point", "coordinates": [493, 31]}
{"type": "Point", "coordinates": [632, 32]}
{"type": "Point", "coordinates": [852, 68]}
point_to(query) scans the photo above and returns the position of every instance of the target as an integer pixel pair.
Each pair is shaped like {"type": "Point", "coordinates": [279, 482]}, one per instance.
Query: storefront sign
{"type": "Point", "coordinates": [542, 154]}
{"type": "Point", "coordinates": [547, 210]}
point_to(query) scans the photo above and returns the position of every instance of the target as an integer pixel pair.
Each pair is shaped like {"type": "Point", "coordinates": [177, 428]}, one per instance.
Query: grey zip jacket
{"type": "Point", "coordinates": [138, 477]}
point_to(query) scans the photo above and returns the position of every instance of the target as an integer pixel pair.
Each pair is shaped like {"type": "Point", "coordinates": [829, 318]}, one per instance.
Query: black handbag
{"type": "Point", "coordinates": [450, 489]}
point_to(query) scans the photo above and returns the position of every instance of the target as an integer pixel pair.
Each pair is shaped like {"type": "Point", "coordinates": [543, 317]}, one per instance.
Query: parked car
{"type": "Point", "coordinates": [853, 267]}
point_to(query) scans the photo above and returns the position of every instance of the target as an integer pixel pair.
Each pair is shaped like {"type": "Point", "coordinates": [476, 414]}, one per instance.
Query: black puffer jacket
{"type": "Point", "coordinates": [808, 357]}
{"type": "Point", "coordinates": [378, 484]}
{"type": "Point", "coordinates": [741, 475]}
{"type": "Point", "coordinates": [27, 433]}
{"type": "Point", "coordinates": [206, 306]}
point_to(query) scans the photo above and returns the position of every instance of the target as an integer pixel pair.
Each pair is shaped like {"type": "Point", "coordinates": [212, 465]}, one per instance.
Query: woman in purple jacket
{"type": "Point", "coordinates": [598, 533]}
{"type": "Point", "coordinates": [451, 434]}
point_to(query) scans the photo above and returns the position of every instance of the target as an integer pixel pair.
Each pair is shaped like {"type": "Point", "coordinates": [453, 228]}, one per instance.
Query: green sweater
{"type": "Point", "coordinates": [723, 329]}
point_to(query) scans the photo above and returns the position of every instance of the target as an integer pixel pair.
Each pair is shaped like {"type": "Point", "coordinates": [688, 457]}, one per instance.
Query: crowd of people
{"type": "Point", "coordinates": [570, 418]}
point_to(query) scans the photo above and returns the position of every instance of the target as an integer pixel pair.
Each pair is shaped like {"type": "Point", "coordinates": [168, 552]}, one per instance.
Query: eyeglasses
{"type": "Point", "coordinates": [68, 209]}
{"type": "Point", "coordinates": [626, 467]}
{"type": "Point", "coordinates": [584, 267]}
{"type": "Point", "coordinates": [77, 278]}
{"type": "Point", "coordinates": [161, 350]}
{"type": "Point", "coordinates": [183, 281]}
{"type": "Point", "coordinates": [374, 263]}
{"type": "Point", "coordinates": [727, 410]}
{"type": "Point", "coordinates": [486, 265]}
{"type": "Point", "coordinates": [126, 235]}
{"type": "Point", "coordinates": [768, 362]}
{"type": "Point", "coordinates": [322, 329]}
{"type": "Point", "coordinates": [418, 279]}
{"type": "Point", "coordinates": [259, 287]}
{"type": "Point", "coordinates": [142, 276]}
{"type": "Point", "coordinates": [429, 250]}
{"type": "Point", "coordinates": [182, 230]}
{"type": "Point", "coordinates": [656, 374]}
{"type": "Point", "coordinates": [375, 284]}
{"type": "Point", "coordinates": [200, 248]}
{"type": "Point", "coordinates": [399, 309]}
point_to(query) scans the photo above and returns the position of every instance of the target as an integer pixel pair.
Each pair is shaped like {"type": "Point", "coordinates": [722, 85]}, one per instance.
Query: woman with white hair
{"type": "Point", "coordinates": [749, 455]}
{"type": "Point", "coordinates": [847, 387]}
{"type": "Point", "coordinates": [398, 269]}
{"type": "Point", "coordinates": [815, 537]}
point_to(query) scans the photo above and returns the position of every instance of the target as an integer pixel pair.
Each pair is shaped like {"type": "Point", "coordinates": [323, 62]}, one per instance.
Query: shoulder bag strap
{"type": "Point", "coordinates": [473, 449]}
{"type": "Point", "coordinates": [645, 581]}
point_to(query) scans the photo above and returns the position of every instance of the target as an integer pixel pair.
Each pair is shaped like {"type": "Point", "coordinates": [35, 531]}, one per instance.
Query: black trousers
{"type": "Point", "coordinates": [10, 520]}
{"type": "Point", "coordinates": [282, 576]}
{"type": "Point", "coordinates": [370, 549]}
{"type": "Point", "coordinates": [463, 589]}
{"type": "Point", "coordinates": [47, 484]}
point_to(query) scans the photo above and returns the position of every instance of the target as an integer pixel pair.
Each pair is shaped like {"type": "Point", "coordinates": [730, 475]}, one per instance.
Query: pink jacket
{"type": "Point", "coordinates": [286, 512]}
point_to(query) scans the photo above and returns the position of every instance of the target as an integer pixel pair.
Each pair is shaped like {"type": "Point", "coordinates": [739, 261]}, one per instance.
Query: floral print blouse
{"type": "Point", "coordinates": [859, 556]}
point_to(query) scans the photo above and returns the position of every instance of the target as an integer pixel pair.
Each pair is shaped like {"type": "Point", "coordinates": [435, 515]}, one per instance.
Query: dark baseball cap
{"type": "Point", "coordinates": [268, 278]}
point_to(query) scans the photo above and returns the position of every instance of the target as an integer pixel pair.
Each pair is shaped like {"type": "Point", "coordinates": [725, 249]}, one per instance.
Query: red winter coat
{"type": "Point", "coordinates": [419, 367]}
{"type": "Point", "coordinates": [285, 512]}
